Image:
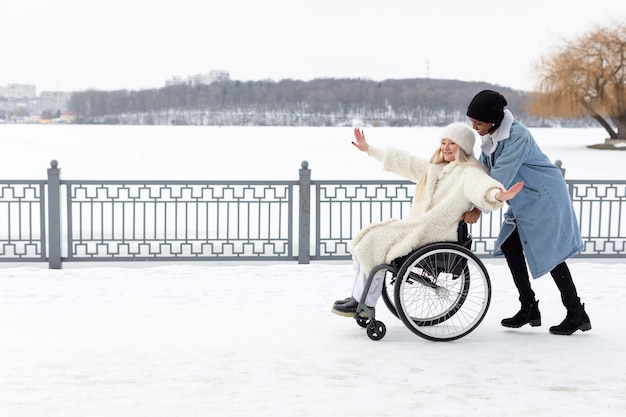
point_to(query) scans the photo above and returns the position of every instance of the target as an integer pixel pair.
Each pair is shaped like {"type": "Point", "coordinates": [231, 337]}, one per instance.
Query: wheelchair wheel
{"type": "Point", "coordinates": [442, 292]}
{"type": "Point", "coordinates": [362, 321]}
{"type": "Point", "coordinates": [376, 330]}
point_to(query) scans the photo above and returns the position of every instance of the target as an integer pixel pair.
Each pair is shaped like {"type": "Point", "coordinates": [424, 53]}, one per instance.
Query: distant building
{"type": "Point", "coordinates": [56, 101]}
{"type": "Point", "coordinates": [174, 81]}
{"type": "Point", "coordinates": [68, 117]}
{"type": "Point", "coordinates": [17, 98]}
{"type": "Point", "coordinates": [18, 91]}
{"type": "Point", "coordinates": [199, 79]}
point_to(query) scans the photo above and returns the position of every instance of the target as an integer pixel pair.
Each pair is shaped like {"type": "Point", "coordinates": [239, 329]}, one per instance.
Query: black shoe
{"type": "Point", "coordinates": [576, 319]}
{"type": "Point", "coordinates": [345, 300]}
{"type": "Point", "coordinates": [349, 309]}
{"type": "Point", "coordinates": [527, 315]}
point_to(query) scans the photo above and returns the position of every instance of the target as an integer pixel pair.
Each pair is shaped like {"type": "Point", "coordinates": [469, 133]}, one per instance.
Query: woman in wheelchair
{"type": "Point", "coordinates": [450, 184]}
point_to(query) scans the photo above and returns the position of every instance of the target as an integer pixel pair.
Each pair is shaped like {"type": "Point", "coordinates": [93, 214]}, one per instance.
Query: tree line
{"type": "Point", "coordinates": [320, 102]}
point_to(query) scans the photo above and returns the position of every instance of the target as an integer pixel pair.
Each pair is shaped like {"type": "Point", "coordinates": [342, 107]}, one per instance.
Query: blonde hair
{"type": "Point", "coordinates": [460, 156]}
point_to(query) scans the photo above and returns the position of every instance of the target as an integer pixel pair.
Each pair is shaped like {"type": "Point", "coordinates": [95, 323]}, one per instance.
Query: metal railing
{"type": "Point", "coordinates": [22, 220]}
{"type": "Point", "coordinates": [58, 221]}
{"type": "Point", "coordinates": [179, 220]}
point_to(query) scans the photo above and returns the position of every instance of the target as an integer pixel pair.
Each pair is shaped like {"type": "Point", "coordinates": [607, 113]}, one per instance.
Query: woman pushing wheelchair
{"type": "Point", "coordinates": [448, 185]}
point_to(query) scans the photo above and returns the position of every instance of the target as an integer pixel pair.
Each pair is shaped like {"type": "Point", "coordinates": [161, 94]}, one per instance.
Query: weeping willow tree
{"type": "Point", "coordinates": [586, 77]}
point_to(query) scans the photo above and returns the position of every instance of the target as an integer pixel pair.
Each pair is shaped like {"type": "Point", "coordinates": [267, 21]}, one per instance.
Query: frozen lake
{"type": "Point", "coordinates": [242, 153]}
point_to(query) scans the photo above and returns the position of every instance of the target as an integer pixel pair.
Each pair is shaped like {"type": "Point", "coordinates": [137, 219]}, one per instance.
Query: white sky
{"type": "Point", "coordinates": [71, 45]}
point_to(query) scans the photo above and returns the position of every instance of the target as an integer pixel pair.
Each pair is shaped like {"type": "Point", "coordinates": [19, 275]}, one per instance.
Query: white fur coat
{"type": "Point", "coordinates": [451, 190]}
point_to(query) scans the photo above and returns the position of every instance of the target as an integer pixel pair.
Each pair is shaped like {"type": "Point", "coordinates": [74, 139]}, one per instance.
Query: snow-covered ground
{"type": "Point", "coordinates": [258, 339]}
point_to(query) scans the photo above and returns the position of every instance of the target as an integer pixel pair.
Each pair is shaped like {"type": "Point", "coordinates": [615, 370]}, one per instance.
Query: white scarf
{"type": "Point", "coordinates": [490, 141]}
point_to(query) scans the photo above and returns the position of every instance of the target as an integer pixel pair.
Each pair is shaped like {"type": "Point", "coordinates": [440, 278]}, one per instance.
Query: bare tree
{"type": "Point", "coordinates": [586, 77]}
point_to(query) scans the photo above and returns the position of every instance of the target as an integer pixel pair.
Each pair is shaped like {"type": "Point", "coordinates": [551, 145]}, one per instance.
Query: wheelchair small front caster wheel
{"type": "Point", "coordinates": [361, 321]}
{"type": "Point", "coordinates": [376, 330]}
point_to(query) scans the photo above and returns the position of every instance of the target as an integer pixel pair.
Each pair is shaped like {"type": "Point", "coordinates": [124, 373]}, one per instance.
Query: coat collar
{"type": "Point", "coordinates": [490, 142]}
{"type": "Point", "coordinates": [439, 171]}
{"type": "Point", "coordinates": [447, 168]}
{"type": "Point", "coordinates": [436, 172]}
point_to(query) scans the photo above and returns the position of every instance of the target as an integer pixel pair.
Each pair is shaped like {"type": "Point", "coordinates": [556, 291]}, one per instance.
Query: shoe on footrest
{"type": "Point", "coordinates": [349, 309]}
{"type": "Point", "coordinates": [345, 300]}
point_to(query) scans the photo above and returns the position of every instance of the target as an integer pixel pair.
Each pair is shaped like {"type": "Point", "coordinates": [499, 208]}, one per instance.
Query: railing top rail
{"type": "Point", "coordinates": [596, 181]}
{"type": "Point", "coordinates": [399, 181]}
{"type": "Point", "coordinates": [177, 182]}
{"type": "Point", "coordinates": [10, 182]}
{"type": "Point", "coordinates": [357, 182]}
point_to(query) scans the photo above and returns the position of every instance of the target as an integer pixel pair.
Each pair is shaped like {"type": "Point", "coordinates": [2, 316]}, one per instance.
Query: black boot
{"type": "Point", "coordinates": [576, 319]}
{"type": "Point", "coordinates": [528, 314]}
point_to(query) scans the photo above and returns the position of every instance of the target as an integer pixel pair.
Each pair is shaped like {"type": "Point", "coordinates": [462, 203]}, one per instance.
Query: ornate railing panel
{"type": "Point", "coordinates": [22, 221]}
{"type": "Point", "coordinates": [601, 210]}
{"type": "Point", "coordinates": [344, 207]}
{"type": "Point", "coordinates": [179, 220]}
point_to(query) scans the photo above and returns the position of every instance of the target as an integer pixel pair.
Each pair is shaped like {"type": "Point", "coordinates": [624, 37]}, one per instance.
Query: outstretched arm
{"type": "Point", "coordinates": [472, 216]}
{"type": "Point", "coordinates": [359, 140]}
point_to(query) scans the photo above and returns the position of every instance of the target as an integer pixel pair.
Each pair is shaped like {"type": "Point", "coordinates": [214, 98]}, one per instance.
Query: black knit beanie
{"type": "Point", "coordinates": [488, 107]}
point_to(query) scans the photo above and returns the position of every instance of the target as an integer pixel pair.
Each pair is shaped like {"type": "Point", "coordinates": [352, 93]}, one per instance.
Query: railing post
{"type": "Point", "coordinates": [559, 164]}
{"type": "Point", "coordinates": [570, 188]}
{"type": "Point", "coordinates": [304, 229]}
{"type": "Point", "coordinates": [54, 216]}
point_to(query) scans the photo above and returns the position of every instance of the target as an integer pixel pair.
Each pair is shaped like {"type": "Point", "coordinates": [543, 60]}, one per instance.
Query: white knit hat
{"type": "Point", "coordinates": [462, 135]}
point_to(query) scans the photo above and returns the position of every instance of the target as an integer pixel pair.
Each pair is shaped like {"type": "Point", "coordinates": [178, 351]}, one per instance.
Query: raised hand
{"type": "Point", "coordinates": [360, 141]}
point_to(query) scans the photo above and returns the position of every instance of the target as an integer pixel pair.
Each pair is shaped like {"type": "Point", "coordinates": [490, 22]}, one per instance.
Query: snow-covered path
{"type": "Point", "coordinates": [259, 340]}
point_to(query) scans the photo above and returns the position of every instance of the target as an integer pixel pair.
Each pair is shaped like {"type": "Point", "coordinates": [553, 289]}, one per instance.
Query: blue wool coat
{"type": "Point", "coordinates": [542, 212]}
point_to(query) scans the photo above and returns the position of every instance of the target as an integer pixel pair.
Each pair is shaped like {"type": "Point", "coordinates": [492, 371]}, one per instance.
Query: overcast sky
{"type": "Point", "coordinates": [73, 45]}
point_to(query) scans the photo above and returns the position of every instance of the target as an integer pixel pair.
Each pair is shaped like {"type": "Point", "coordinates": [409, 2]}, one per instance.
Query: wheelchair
{"type": "Point", "coordinates": [441, 291]}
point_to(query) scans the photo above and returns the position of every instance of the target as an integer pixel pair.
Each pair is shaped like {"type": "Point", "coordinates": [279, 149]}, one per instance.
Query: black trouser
{"type": "Point", "coordinates": [514, 254]}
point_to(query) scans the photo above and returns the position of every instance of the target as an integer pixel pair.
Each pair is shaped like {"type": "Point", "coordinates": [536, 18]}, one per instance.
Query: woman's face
{"type": "Point", "coordinates": [448, 149]}
{"type": "Point", "coordinates": [481, 127]}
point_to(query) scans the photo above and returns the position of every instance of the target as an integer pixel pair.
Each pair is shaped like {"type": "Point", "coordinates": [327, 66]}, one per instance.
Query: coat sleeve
{"type": "Point", "coordinates": [400, 162]}
{"type": "Point", "coordinates": [515, 151]}
{"type": "Point", "coordinates": [480, 189]}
